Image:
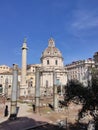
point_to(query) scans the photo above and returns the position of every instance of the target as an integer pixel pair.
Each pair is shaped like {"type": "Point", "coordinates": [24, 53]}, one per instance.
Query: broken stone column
{"type": "Point", "coordinates": [55, 96]}
{"type": "Point", "coordinates": [6, 87]}
{"type": "Point", "coordinates": [13, 109]}
{"type": "Point", "coordinates": [46, 88]}
{"type": "Point", "coordinates": [37, 90]}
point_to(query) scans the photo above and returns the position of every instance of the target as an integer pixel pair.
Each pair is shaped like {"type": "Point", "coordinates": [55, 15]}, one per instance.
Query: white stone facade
{"type": "Point", "coordinates": [30, 78]}
{"type": "Point", "coordinates": [6, 82]}
{"type": "Point", "coordinates": [80, 70]}
{"type": "Point", "coordinates": [4, 68]}
{"type": "Point", "coordinates": [52, 60]}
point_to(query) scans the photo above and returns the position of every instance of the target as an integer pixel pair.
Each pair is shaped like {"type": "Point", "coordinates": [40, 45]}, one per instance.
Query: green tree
{"type": "Point", "coordinates": [95, 81]}
{"type": "Point", "coordinates": [75, 91]}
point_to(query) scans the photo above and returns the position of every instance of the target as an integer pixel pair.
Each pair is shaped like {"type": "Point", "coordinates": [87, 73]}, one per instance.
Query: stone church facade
{"type": "Point", "coordinates": [52, 61]}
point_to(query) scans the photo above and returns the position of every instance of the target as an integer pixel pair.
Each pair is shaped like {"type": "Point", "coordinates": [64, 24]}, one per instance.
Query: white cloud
{"type": "Point", "coordinates": [84, 20]}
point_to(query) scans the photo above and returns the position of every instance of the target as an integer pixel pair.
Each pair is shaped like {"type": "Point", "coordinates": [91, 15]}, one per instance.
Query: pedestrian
{"type": "Point", "coordinates": [6, 111]}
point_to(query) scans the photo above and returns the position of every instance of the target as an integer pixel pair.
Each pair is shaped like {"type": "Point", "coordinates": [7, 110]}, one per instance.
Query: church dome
{"type": "Point", "coordinates": [51, 50]}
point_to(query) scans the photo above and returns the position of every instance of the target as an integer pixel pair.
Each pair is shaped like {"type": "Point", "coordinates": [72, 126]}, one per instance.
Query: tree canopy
{"type": "Point", "coordinates": [88, 96]}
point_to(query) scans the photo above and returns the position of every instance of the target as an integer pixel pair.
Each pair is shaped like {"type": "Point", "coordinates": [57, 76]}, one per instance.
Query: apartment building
{"type": "Point", "coordinates": [80, 70]}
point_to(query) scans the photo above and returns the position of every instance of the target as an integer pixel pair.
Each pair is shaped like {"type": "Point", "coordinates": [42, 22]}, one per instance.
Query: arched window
{"type": "Point", "coordinates": [31, 83]}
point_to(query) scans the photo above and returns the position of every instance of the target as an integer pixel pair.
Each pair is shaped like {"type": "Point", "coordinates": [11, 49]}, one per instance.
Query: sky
{"type": "Point", "coordinates": [73, 24]}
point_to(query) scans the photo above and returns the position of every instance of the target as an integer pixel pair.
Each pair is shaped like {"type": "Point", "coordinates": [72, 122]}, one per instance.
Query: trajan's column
{"type": "Point", "coordinates": [23, 86]}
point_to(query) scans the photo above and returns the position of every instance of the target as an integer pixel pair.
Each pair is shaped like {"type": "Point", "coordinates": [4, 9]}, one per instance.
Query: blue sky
{"type": "Point", "coordinates": [72, 23]}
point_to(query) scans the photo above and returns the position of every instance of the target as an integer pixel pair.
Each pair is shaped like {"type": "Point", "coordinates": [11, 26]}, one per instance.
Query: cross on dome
{"type": "Point", "coordinates": [51, 43]}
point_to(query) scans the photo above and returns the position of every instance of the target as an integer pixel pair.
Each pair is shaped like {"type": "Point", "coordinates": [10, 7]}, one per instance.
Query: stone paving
{"type": "Point", "coordinates": [26, 117]}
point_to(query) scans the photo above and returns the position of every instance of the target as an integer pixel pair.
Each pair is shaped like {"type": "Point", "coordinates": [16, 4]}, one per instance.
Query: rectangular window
{"type": "Point", "coordinates": [46, 83]}
{"type": "Point", "coordinates": [56, 62]}
{"type": "Point", "coordinates": [47, 62]}
{"type": "Point", "coordinates": [58, 81]}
